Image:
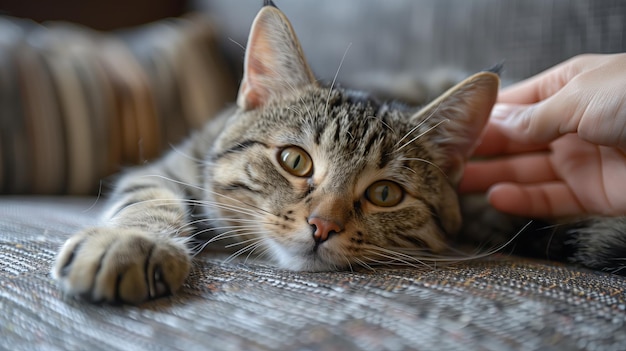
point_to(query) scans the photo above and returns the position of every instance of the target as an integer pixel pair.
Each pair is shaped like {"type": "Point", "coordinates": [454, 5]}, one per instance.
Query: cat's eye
{"type": "Point", "coordinates": [295, 161]}
{"type": "Point", "coordinates": [384, 193]}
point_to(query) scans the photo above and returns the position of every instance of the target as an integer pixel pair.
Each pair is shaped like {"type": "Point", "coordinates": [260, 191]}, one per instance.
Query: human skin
{"type": "Point", "coordinates": [555, 145]}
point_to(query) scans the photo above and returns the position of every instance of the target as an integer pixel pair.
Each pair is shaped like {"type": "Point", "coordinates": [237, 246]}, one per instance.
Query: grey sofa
{"type": "Point", "coordinates": [503, 303]}
{"type": "Point", "coordinates": [499, 303]}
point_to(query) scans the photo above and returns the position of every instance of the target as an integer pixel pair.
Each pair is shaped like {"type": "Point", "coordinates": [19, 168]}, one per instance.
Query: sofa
{"type": "Point", "coordinates": [78, 105]}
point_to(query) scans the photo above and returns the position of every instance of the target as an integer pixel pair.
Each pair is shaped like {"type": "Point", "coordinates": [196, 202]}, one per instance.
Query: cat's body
{"type": "Point", "coordinates": [316, 178]}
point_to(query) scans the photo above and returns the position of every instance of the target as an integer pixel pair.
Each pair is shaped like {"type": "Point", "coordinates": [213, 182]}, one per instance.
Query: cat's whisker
{"type": "Point", "coordinates": [409, 169]}
{"type": "Point", "coordinates": [204, 220]}
{"type": "Point", "coordinates": [345, 257]}
{"type": "Point", "coordinates": [423, 133]}
{"type": "Point", "coordinates": [425, 161]}
{"type": "Point", "coordinates": [383, 123]}
{"type": "Point", "coordinates": [332, 85]}
{"type": "Point", "coordinates": [206, 191]}
{"type": "Point", "coordinates": [230, 229]}
{"type": "Point", "coordinates": [252, 246]}
{"type": "Point", "coordinates": [405, 259]}
{"type": "Point", "coordinates": [204, 231]}
{"type": "Point", "coordinates": [362, 263]}
{"type": "Point", "coordinates": [243, 242]}
{"type": "Point", "coordinates": [447, 258]}
{"type": "Point", "coordinates": [264, 252]}
{"type": "Point", "coordinates": [295, 110]}
{"type": "Point", "coordinates": [308, 109]}
{"type": "Point", "coordinates": [234, 233]}
{"type": "Point", "coordinates": [201, 246]}
{"type": "Point", "coordinates": [418, 126]}
{"type": "Point", "coordinates": [236, 209]}
{"type": "Point", "coordinates": [237, 43]}
{"type": "Point", "coordinates": [231, 207]}
{"type": "Point", "coordinates": [251, 252]}
{"type": "Point", "coordinates": [393, 261]}
{"type": "Point", "coordinates": [395, 256]}
{"type": "Point", "coordinates": [165, 202]}
{"type": "Point", "coordinates": [189, 157]}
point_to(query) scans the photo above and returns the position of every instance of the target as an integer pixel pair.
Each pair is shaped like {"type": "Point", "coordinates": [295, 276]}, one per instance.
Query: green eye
{"type": "Point", "coordinates": [295, 161]}
{"type": "Point", "coordinates": [384, 193]}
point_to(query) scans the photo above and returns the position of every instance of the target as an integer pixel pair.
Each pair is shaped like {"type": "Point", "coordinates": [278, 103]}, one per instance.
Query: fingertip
{"type": "Point", "coordinates": [507, 198]}
{"type": "Point", "coordinates": [524, 92]}
{"type": "Point", "coordinates": [547, 200]}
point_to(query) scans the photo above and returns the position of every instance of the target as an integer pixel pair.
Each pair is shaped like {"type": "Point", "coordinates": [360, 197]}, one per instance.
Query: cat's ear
{"type": "Point", "coordinates": [457, 119]}
{"type": "Point", "coordinates": [274, 61]}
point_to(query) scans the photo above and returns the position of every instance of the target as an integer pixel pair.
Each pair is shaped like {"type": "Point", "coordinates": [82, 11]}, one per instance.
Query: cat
{"type": "Point", "coordinates": [315, 177]}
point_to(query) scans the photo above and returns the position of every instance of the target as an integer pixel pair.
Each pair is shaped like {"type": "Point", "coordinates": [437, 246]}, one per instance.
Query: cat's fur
{"type": "Point", "coordinates": [317, 178]}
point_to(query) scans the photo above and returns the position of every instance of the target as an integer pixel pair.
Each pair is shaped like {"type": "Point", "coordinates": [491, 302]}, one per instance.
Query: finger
{"type": "Point", "coordinates": [583, 95]}
{"type": "Point", "coordinates": [535, 89]}
{"type": "Point", "coordinates": [545, 84]}
{"type": "Point", "coordinates": [480, 175]}
{"type": "Point", "coordinates": [495, 142]}
{"type": "Point", "coordinates": [547, 200]}
{"type": "Point", "coordinates": [542, 122]}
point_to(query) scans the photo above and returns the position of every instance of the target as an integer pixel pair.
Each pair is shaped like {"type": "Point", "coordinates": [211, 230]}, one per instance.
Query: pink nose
{"type": "Point", "coordinates": [323, 228]}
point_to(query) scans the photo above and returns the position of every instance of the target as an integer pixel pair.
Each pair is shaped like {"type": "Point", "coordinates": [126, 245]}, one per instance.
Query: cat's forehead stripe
{"type": "Point", "coordinates": [361, 97]}
{"type": "Point", "coordinates": [354, 134]}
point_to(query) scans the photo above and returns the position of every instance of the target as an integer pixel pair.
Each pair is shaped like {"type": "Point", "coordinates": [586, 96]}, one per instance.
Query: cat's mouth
{"type": "Point", "coordinates": [316, 247]}
{"type": "Point", "coordinates": [313, 256]}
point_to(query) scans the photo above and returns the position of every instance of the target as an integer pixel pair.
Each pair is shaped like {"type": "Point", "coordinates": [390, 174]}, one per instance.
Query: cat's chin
{"type": "Point", "coordinates": [307, 260]}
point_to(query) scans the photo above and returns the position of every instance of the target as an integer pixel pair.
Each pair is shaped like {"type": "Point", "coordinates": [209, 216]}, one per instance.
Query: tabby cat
{"type": "Point", "coordinates": [316, 178]}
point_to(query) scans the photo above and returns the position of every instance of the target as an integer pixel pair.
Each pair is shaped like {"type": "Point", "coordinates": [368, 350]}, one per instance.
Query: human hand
{"type": "Point", "coordinates": [557, 142]}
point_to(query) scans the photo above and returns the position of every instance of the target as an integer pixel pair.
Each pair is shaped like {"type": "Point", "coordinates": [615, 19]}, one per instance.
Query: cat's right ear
{"type": "Point", "coordinates": [456, 120]}
{"type": "Point", "coordinates": [274, 61]}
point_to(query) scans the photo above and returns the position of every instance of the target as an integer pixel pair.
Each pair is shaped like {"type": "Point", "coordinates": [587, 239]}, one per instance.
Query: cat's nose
{"type": "Point", "coordinates": [323, 228]}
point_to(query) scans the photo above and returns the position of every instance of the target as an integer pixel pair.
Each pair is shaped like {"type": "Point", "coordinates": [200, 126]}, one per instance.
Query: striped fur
{"type": "Point", "coordinates": [229, 184]}
{"type": "Point", "coordinates": [226, 183]}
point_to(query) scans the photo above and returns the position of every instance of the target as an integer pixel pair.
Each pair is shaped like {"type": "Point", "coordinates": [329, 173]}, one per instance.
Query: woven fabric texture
{"type": "Point", "coordinates": [503, 303]}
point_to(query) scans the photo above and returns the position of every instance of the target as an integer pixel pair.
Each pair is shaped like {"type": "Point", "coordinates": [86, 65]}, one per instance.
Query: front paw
{"type": "Point", "coordinates": [121, 265]}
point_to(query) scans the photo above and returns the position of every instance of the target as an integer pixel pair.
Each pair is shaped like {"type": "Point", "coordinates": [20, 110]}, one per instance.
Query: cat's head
{"type": "Point", "coordinates": [324, 178]}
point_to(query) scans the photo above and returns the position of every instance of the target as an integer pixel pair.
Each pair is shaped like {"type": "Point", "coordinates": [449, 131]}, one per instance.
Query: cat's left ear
{"type": "Point", "coordinates": [458, 118]}
{"type": "Point", "coordinates": [274, 61]}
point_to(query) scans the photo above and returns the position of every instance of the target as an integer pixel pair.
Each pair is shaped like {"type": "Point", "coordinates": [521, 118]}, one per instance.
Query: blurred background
{"type": "Point", "coordinates": [90, 87]}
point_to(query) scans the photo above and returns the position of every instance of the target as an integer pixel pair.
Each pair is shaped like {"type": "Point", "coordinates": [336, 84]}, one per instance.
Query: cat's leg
{"type": "Point", "coordinates": [485, 226]}
{"type": "Point", "coordinates": [489, 229]}
{"type": "Point", "coordinates": [599, 243]}
{"type": "Point", "coordinates": [139, 251]}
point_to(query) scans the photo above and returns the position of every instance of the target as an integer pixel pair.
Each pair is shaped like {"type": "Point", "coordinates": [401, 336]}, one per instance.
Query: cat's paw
{"type": "Point", "coordinates": [116, 265]}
